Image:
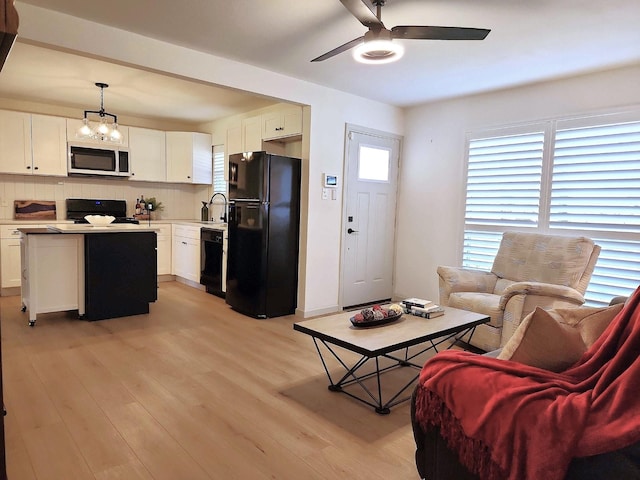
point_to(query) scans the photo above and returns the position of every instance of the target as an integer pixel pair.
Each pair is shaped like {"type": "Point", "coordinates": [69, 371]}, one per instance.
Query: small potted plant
{"type": "Point", "coordinates": [153, 205]}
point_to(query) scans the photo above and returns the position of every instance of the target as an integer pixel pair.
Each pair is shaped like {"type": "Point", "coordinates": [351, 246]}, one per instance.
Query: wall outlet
{"type": "Point", "coordinates": [325, 194]}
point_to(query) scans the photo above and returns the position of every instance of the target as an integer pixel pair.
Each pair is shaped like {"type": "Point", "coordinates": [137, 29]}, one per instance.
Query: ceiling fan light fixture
{"type": "Point", "coordinates": [378, 52]}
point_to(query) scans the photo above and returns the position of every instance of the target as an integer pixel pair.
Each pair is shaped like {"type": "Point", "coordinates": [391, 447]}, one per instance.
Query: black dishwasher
{"type": "Point", "coordinates": [211, 244]}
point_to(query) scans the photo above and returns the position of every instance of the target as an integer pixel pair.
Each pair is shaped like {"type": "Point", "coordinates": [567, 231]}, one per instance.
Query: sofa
{"type": "Point", "coordinates": [606, 334]}
{"type": "Point", "coordinates": [529, 270]}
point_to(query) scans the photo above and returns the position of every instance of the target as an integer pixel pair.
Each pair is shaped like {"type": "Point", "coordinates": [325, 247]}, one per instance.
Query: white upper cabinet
{"type": "Point", "coordinates": [49, 145]}
{"type": "Point", "coordinates": [32, 144]}
{"type": "Point", "coordinates": [234, 138]}
{"type": "Point", "coordinates": [284, 122]}
{"type": "Point", "coordinates": [74, 124]}
{"type": "Point", "coordinates": [147, 154]}
{"type": "Point", "coordinates": [189, 157]}
{"type": "Point", "coordinates": [15, 142]}
{"type": "Point", "coordinates": [252, 134]}
{"type": "Point", "coordinates": [245, 135]}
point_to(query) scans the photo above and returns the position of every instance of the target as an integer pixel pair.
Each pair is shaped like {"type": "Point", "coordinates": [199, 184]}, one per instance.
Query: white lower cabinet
{"type": "Point", "coordinates": [164, 249]}
{"type": "Point", "coordinates": [52, 270]}
{"type": "Point", "coordinates": [10, 273]}
{"type": "Point", "coordinates": [186, 252]}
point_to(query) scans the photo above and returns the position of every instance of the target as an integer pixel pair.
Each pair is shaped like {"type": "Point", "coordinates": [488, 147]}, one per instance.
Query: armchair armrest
{"type": "Point", "coordinates": [567, 294]}
{"type": "Point", "coordinates": [457, 279]}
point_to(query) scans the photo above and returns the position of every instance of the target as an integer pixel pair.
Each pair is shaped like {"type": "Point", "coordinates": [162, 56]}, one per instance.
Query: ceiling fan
{"type": "Point", "coordinates": [376, 45]}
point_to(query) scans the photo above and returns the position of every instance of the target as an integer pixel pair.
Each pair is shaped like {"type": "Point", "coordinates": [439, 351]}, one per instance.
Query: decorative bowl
{"type": "Point", "coordinates": [373, 323]}
{"type": "Point", "coordinates": [99, 220]}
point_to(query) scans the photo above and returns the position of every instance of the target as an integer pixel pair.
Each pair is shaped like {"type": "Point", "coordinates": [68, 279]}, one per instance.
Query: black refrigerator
{"type": "Point", "coordinates": [264, 230]}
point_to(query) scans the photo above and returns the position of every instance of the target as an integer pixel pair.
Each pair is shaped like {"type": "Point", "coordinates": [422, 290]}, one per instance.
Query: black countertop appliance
{"type": "Point", "coordinates": [263, 229]}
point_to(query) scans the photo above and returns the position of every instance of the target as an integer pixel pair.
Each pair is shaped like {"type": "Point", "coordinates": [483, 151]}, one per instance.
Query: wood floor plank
{"type": "Point", "coordinates": [54, 454]}
{"type": "Point", "coordinates": [192, 390]}
{"type": "Point", "coordinates": [158, 451]}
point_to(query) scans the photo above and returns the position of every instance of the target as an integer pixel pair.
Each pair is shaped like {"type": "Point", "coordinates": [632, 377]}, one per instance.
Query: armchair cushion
{"type": "Point", "coordinates": [486, 303]}
{"type": "Point", "coordinates": [541, 258]}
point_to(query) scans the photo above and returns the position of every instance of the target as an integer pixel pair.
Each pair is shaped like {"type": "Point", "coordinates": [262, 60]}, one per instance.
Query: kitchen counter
{"type": "Point", "coordinates": [103, 272]}
{"type": "Point", "coordinates": [88, 228]}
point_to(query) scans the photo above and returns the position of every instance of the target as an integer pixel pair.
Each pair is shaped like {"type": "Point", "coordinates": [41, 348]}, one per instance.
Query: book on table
{"type": "Point", "coordinates": [430, 311]}
{"type": "Point", "coordinates": [416, 302]}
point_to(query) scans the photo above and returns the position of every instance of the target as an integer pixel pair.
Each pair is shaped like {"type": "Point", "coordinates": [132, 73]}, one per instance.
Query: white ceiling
{"type": "Point", "coordinates": [530, 41]}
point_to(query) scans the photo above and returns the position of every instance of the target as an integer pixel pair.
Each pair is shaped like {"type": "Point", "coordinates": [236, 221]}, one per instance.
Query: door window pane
{"type": "Point", "coordinates": [373, 164]}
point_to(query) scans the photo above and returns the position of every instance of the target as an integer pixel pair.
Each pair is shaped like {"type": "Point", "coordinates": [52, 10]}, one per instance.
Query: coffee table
{"type": "Point", "coordinates": [383, 341]}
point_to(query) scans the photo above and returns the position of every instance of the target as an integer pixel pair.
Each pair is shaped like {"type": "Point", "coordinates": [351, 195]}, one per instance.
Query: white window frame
{"type": "Point", "coordinates": [619, 244]}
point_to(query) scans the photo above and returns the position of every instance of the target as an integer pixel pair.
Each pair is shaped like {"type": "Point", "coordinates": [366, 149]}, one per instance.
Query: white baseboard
{"type": "Point", "coordinates": [317, 312]}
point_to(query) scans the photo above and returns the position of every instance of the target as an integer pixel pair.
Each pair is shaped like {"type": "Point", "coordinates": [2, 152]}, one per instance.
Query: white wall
{"type": "Point", "coordinates": [432, 185]}
{"type": "Point", "coordinates": [330, 111]}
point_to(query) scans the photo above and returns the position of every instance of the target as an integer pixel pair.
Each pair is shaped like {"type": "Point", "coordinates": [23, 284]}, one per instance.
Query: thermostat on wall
{"type": "Point", "coordinates": [329, 181]}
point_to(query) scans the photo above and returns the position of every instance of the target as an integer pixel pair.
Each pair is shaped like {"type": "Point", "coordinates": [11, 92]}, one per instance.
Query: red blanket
{"type": "Point", "coordinates": [509, 420]}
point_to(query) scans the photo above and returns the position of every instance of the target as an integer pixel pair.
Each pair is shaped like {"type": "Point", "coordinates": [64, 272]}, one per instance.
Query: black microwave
{"type": "Point", "coordinates": [89, 160]}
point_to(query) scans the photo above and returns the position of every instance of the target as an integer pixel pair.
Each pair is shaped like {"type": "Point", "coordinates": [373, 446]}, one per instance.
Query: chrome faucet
{"type": "Point", "coordinates": [223, 217]}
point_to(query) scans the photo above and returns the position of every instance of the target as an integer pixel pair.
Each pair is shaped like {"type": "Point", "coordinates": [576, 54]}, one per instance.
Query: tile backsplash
{"type": "Point", "coordinates": [179, 201]}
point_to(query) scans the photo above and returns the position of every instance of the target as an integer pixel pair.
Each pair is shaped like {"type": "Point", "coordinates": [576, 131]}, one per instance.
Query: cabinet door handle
{"type": "Point", "coordinates": [184, 243]}
{"type": "Point", "coordinates": [29, 167]}
{"type": "Point", "coordinates": [35, 168]}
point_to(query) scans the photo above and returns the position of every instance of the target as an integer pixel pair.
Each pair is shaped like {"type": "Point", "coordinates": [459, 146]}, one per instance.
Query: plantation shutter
{"type": "Point", "coordinates": [504, 176]}
{"type": "Point", "coordinates": [219, 182]}
{"type": "Point", "coordinates": [596, 189]}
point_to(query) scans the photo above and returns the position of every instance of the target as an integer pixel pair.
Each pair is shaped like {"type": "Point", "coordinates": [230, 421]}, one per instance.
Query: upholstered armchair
{"type": "Point", "coordinates": [529, 270]}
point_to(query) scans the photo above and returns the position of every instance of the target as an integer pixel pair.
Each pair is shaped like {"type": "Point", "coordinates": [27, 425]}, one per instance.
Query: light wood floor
{"type": "Point", "coordinates": [191, 391]}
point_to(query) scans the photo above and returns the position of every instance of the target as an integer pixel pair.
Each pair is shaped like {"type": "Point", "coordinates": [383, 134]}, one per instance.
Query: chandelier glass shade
{"type": "Point", "coordinates": [104, 127]}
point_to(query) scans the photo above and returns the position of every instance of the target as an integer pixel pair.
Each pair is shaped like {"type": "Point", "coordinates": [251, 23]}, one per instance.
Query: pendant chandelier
{"type": "Point", "coordinates": [105, 128]}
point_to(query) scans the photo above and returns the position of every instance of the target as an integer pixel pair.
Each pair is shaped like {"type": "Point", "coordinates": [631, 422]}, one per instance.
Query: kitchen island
{"type": "Point", "coordinates": [102, 271]}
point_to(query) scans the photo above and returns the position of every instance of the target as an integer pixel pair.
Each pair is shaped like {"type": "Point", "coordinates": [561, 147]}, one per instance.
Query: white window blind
{"type": "Point", "coordinates": [596, 189]}
{"type": "Point", "coordinates": [504, 176]}
{"type": "Point", "coordinates": [587, 183]}
{"type": "Point", "coordinates": [503, 180]}
{"type": "Point", "coordinates": [219, 182]}
{"type": "Point", "coordinates": [596, 178]}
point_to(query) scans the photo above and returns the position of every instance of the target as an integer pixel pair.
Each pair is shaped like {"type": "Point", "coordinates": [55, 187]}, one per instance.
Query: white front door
{"type": "Point", "coordinates": [371, 178]}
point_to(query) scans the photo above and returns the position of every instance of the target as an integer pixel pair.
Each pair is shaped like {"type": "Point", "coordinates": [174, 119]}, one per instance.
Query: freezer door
{"type": "Point", "coordinates": [248, 176]}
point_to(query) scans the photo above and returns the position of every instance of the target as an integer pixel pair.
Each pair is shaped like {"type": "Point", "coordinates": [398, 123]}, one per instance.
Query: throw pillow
{"type": "Point", "coordinates": [590, 321]}
{"type": "Point", "coordinates": [541, 341]}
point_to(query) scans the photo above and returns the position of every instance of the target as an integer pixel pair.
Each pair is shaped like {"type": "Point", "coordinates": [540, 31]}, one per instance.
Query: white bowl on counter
{"type": "Point", "coordinates": [99, 220]}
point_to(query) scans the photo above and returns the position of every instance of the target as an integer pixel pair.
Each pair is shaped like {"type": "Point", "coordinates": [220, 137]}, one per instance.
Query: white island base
{"type": "Point", "coordinates": [52, 274]}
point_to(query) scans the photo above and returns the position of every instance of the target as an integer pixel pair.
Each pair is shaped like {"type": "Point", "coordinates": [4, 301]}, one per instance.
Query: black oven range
{"type": "Point", "coordinates": [77, 208]}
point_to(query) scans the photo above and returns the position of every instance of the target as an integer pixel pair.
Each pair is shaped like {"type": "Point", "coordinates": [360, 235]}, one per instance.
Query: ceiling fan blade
{"type": "Point", "coordinates": [438, 33]}
{"type": "Point", "coordinates": [340, 49]}
{"type": "Point", "coordinates": [363, 13]}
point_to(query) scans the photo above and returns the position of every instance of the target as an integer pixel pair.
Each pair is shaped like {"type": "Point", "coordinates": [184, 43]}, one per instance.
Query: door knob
{"type": "Point", "coordinates": [351, 230]}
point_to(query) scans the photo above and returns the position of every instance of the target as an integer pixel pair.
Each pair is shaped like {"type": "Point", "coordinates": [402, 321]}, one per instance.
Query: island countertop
{"type": "Point", "coordinates": [88, 228]}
